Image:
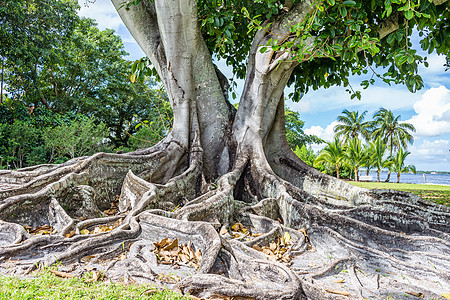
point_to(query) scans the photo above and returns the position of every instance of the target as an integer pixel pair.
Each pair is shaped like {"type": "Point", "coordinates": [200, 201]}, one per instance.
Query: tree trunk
{"type": "Point", "coordinates": [298, 231]}
{"type": "Point", "coordinates": [390, 156]}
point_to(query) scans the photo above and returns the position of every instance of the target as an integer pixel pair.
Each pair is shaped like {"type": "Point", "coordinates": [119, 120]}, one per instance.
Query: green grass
{"type": "Point", "coordinates": [47, 286]}
{"type": "Point", "coordinates": [436, 193]}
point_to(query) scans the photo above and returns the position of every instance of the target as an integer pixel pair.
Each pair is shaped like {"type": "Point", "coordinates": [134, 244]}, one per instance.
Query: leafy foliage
{"type": "Point", "coordinates": [352, 126]}
{"type": "Point", "coordinates": [354, 156]}
{"type": "Point", "coordinates": [394, 133]}
{"type": "Point", "coordinates": [295, 135]}
{"type": "Point", "coordinates": [307, 155]}
{"type": "Point", "coordinates": [348, 38]}
{"type": "Point", "coordinates": [331, 157]}
{"type": "Point", "coordinates": [384, 132]}
{"type": "Point", "coordinates": [78, 138]}
{"type": "Point", "coordinates": [398, 163]}
{"type": "Point", "coordinates": [68, 81]}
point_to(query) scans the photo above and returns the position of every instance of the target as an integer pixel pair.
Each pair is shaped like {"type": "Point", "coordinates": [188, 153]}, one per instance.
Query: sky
{"type": "Point", "coordinates": [428, 109]}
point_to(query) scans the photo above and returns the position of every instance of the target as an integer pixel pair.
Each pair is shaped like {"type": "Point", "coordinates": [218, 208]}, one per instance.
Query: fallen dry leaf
{"type": "Point", "coordinates": [446, 295]}
{"type": "Point", "coordinates": [96, 276]}
{"type": "Point", "coordinates": [62, 274]}
{"type": "Point", "coordinates": [70, 234]}
{"type": "Point", "coordinates": [277, 250]}
{"type": "Point", "coordinates": [171, 252]}
{"type": "Point", "coordinates": [87, 258]}
{"type": "Point", "coordinates": [286, 238]}
{"type": "Point", "coordinates": [149, 291]}
{"type": "Point", "coordinates": [256, 247]}
{"type": "Point", "coordinates": [339, 280]}
{"type": "Point", "coordinates": [303, 230]}
{"type": "Point", "coordinates": [237, 227]}
{"type": "Point", "coordinates": [40, 230]}
{"type": "Point", "coordinates": [223, 231]}
{"type": "Point", "coordinates": [113, 209]}
{"type": "Point", "coordinates": [420, 295]}
{"type": "Point", "coordinates": [343, 293]}
{"type": "Point", "coordinates": [169, 278]}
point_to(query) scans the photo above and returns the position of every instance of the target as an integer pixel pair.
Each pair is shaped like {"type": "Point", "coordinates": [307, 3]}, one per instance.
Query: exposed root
{"type": "Point", "coordinates": [366, 244]}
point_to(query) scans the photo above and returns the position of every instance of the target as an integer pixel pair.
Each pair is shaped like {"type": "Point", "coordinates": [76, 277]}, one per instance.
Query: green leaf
{"type": "Point", "coordinates": [349, 3]}
{"type": "Point", "coordinates": [409, 14]}
{"type": "Point", "coordinates": [388, 11]}
{"type": "Point", "coordinates": [331, 2]}
{"type": "Point", "coordinates": [401, 60]}
{"type": "Point", "coordinates": [343, 11]}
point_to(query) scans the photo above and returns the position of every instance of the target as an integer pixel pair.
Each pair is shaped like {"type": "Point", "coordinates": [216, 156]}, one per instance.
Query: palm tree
{"type": "Point", "coordinates": [398, 164]}
{"type": "Point", "coordinates": [331, 156]}
{"type": "Point", "coordinates": [368, 159]}
{"type": "Point", "coordinates": [394, 133]}
{"type": "Point", "coordinates": [352, 126]}
{"type": "Point", "coordinates": [354, 155]}
{"type": "Point", "coordinates": [379, 150]}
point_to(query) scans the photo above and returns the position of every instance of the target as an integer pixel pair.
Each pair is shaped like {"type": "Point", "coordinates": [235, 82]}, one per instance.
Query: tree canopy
{"type": "Point", "coordinates": [335, 39]}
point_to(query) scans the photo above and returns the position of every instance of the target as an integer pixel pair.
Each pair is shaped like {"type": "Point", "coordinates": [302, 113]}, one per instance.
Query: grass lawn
{"type": "Point", "coordinates": [436, 193]}
{"type": "Point", "coordinates": [47, 286]}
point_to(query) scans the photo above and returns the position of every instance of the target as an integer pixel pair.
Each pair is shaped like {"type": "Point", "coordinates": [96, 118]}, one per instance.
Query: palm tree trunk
{"type": "Point", "coordinates": [378, 175]}
{"type": "Point", "coordinates": [390, 156]}
{"type": "Point", "coordinates": [337, 172]}
{"type": "Point", "coordinates": [398, 177]}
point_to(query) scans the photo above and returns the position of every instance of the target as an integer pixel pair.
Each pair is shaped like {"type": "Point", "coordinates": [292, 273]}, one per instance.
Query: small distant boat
{"type": "Point", "coordinates": [433, 173]}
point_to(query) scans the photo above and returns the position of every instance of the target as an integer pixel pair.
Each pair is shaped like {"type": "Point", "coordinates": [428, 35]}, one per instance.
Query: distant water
{"type": "Point", "coordinates": [442, 179]}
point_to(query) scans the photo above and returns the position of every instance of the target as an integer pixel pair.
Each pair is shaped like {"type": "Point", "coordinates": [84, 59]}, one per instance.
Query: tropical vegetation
{"type": "Point", "coordinates": [363, 144]}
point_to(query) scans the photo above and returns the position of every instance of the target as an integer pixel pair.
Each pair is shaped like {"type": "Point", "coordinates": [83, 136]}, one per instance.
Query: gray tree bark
{"type": "Point", "coordinates": [307, 235]}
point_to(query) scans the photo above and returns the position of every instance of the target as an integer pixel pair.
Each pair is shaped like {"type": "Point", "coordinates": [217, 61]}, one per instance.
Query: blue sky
{"type": "Point", "coordinates": [428, 109]}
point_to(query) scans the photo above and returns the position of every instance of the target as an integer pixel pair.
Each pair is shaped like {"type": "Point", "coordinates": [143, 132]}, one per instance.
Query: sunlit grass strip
{"type": "Point", "coordinates": [436, 193]}
{"type": "Point", "coordinates": [48, 286]}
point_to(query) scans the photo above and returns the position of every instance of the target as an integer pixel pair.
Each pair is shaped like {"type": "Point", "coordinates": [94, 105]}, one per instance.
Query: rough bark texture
{"type": "Point", "coordinates": [210, 172]}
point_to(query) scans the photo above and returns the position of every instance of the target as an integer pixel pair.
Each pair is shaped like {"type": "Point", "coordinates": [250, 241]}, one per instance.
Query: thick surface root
{"type": "Point", "coordinates": [252, 234]}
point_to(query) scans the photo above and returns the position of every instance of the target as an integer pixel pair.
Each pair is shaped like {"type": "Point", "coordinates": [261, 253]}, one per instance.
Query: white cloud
{"type": "Point", "coordinates": [103, 12]}
{"type": "Point", "coordinates": [392, 97]}
{"type": "Point", "coordinates": [430, 152]}
{"type": "Point", "coordinates": [433, 113]}
{"type": "Point", "coordinates": [435, 65]}
{"type": "Point", "coordinates": [327, 134]}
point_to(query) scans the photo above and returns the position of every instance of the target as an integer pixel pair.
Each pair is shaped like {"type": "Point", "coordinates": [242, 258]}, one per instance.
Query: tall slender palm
{"type": "Point", "coordinates": [379, 150]}
{"type": "Point", "coordinates": [393, 132]}
{"type": "Point", "coordinates": [352, 125]}
{"type": "Point", "coordinates": [354, 155]}
{"type": "Point", "coordinates": [368, 159]}
{"type": "Point", "coordinates": [331, 157]}
{"type": "Point", "coordinates": [398, 163]}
